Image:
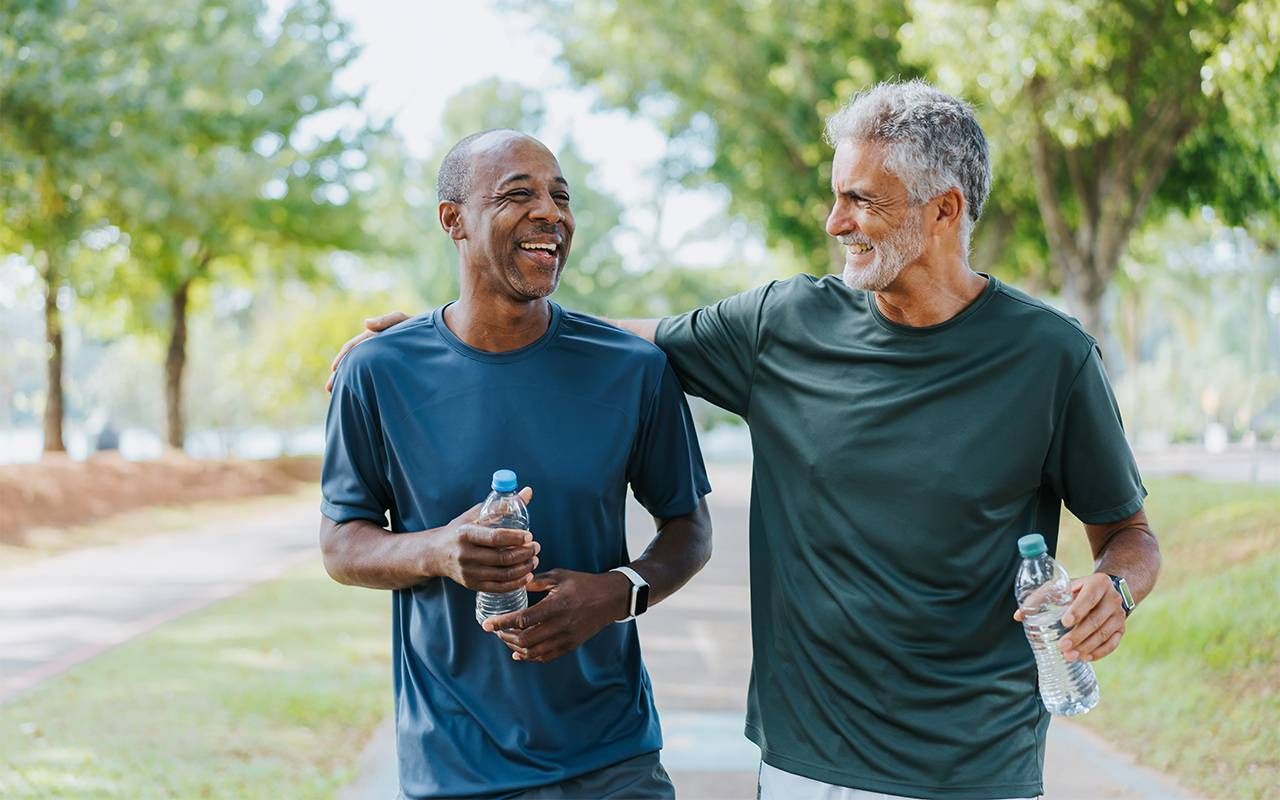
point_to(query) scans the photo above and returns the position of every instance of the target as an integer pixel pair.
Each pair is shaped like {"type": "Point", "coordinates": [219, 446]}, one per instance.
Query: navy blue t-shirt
{"type": "Point", "coordinates": [418, 423]}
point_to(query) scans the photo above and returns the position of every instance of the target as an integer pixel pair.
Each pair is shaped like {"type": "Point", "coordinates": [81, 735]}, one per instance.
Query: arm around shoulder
{"type": "Point", "coordinates": [646, 329]}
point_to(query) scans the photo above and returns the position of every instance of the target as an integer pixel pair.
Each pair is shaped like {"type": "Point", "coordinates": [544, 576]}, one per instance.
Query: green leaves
{"type": "Point", "coordinates": [1099, 111]}
{"type": "Point", "coordinates": [741, 87]}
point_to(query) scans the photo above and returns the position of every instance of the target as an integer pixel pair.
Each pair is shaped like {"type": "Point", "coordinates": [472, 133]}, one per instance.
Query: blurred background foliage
{"type": "Point", "coordinates": [194, 216]}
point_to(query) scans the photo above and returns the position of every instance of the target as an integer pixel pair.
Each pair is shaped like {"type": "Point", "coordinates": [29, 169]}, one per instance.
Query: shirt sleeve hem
{"type": "Point", "coordinates": [679, 508]}
{"type": "Point", "coordinates": [660, 332]}
{"type": "Point", "coordinates": [1115, 513]}
{"type": "Point", "coordinates": [343, 513]}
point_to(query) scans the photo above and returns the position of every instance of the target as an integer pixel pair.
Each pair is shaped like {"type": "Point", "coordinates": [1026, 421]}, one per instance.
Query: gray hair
{"type": "Point", "coordinates": [933, 140]}
{"type": "Point", "coordinates": [453, 181]}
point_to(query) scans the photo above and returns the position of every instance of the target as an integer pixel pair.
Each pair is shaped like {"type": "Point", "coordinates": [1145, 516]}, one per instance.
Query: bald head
{"type": "Point", "coordinates": [453, 182]}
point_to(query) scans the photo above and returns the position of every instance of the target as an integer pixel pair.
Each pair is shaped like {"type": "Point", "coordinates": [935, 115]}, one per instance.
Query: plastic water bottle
{"type": "Point", "coordinates": [1043, 590]}
{"type": "Point", "coordinates": [503, 508]}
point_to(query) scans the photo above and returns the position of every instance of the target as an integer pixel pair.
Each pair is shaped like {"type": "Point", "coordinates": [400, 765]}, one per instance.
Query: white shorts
{"type": "Point", "coordinates": [774, 784]}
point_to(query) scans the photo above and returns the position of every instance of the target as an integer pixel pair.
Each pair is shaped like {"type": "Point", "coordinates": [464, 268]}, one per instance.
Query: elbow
{"type": "Point", "coordinates": [705, 555]}
{"type": "Point", "coordinates": [1156, 560]}
{"type": "Point", "coordinates": [333, 550]}
{"type": "Point", "coordinates": [705, 546]}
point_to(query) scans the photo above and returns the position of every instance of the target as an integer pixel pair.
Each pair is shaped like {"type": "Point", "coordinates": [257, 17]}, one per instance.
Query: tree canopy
{"type": "Point", "coordinates": [1100, 112]}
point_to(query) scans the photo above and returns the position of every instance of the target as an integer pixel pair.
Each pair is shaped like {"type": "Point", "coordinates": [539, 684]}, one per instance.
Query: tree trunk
{"type": "Point", "coordinates": [1083, 287]}
{"type": "Point", "coordinates": [1110, 182]}
{"type": "Point", "coordinates": [175, 363]}
{"type": "Point", "coordinates": [53, 408]}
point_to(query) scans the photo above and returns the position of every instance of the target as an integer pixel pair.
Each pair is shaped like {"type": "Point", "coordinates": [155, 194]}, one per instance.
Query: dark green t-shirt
{"type": "Point", "coordinates": [895, 469]}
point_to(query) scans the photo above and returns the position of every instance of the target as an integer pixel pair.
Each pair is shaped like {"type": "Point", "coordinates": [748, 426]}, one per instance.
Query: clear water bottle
{"type": "Point", "coordinates": [1043, 590]}
{"type": "Point", "coordinates": [503, 508]}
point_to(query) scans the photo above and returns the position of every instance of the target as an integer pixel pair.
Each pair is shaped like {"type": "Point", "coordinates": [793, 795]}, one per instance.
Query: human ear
{"type": "Point", "coordinates": [451, 220]}
{"type": "Point", "coordinates": [950, 209]}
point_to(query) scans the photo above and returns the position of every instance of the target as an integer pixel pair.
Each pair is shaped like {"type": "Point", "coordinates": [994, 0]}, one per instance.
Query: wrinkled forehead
{"type": "Point", "coordinates": [501, 155]}
{"type": "Point", "coordinates": [862, 163]}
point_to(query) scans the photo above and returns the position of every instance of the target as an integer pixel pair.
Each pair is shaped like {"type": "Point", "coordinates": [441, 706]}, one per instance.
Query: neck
{"type": "Point", "coordinates": [496, 323]}
{"type": "Point", "coordinates": [930, 294]}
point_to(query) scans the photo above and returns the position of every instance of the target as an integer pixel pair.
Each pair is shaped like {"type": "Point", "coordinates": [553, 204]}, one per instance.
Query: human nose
{"type": "Point", "coordinates": [839, 223]}
{"type": "Point", "coordinates": [546, 209]}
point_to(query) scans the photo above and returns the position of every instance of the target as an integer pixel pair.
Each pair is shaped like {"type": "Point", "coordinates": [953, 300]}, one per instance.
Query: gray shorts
{"type": "Point", "coordinates": [639, 778]}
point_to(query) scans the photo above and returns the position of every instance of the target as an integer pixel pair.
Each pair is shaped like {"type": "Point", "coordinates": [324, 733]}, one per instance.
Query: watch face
{"type": "Point", "coordinates": [1126, 597]}
{"type": "Point", "coordinates": [642, 599]}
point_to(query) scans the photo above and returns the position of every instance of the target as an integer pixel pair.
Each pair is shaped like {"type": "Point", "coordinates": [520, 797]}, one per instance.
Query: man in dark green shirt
{"type": "Point", "coordinates": [910, 420]}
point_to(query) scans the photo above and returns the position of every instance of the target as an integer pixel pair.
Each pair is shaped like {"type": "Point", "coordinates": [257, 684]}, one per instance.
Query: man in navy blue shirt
{"type": "Point", "coordinates": [552, 701]}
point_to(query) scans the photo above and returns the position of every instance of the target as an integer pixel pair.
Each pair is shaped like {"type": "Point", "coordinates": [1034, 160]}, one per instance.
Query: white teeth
{"type": "Point", "coordinates": [551, 248]}
{"type": "Point", "coordinates": [860, 248]}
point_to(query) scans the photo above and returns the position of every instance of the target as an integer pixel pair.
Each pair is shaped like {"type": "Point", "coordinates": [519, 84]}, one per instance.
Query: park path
{"type": "Point", "coordinates": [60, 611]}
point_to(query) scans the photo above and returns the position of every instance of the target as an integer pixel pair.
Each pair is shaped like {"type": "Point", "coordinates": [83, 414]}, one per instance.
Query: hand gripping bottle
{"type": "Point", "coordinates": [503, 508]}
{"type": "Point", "coordinates": [1043, 590]}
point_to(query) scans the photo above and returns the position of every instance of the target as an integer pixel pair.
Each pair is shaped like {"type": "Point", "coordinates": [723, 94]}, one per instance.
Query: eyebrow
{"type": "Point", "coordinates": [857, 194]}
{"type": "Point", "coordinates": [526, 177]}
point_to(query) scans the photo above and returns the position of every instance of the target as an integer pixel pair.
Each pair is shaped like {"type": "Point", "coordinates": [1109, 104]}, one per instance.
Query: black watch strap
{"type": "Point", "coordinates": [1126, 596]}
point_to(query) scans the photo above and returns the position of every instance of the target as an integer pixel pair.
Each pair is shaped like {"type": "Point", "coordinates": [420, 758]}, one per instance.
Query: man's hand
{"type": "Point", "coordinates": [480, 558]}
{"type": "Point", "coordinates": [1094, 621]}
{"type": "Point", "coordinates": [373, 327]}
{"type": "Point", "coordinates": [578, 606]}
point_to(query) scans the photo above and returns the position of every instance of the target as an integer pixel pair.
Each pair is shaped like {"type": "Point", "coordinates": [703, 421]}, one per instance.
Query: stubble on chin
{"type": "Point", "coordinates": [532, 290]}
{"type": "Point", "coordinates": [873, 278]}
{"type": "Point", "coordinates": [893, 253]}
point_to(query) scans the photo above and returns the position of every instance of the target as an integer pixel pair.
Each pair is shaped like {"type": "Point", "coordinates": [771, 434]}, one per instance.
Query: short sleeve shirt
{"type": "Point", "coordinates": [417, 425]}
{"type": "Point", "coordinates": [895, 469]}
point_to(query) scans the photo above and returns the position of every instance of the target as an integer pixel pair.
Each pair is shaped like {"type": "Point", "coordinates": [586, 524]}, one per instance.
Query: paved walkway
{"type": "Point", "coordinates": [63, 610]}
{"type": "Point", "coordinates": [1239, 464]}
{"type": "Point", "coordinates": [697, 646]}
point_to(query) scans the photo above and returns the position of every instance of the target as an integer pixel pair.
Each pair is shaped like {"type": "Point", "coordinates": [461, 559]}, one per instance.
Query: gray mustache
{"type": "Point", "coordinates": [851, 240]}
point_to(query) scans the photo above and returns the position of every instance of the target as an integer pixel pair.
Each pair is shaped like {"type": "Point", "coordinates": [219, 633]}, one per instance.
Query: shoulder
{"type": "Point", "coordinates": [805, 288]}
{"type": "Point", "coordinates": [597, 337]}
{"type": "Point", "coordinates": [1040, 324]}
{"type": "Point", "coordinates": [810, 302]}
{"type": "Point", "coordinates": [389, 350]}
{"type": "Point", "coordinates": [781, 294]}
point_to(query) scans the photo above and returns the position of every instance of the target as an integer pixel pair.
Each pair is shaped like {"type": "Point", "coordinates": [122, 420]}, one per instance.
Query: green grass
{"type": "Point", "coordinates": [1194, 689]}
{"type": "Point", "coordinates": [269, 695]}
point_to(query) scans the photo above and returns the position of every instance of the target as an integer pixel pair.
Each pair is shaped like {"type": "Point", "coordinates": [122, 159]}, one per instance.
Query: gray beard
{"type": "Point", "coordinates": [903, 245]}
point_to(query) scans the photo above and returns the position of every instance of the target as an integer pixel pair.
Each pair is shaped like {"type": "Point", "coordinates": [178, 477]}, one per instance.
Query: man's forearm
{"type": "Point", "coordinates": [681, 548]}
{"type": "Point", "coordinates": [1132, 553]}
{"type": "Point", "coordinates": [646, 329]}
{"type": "Point", "coordinates": [360, 553]}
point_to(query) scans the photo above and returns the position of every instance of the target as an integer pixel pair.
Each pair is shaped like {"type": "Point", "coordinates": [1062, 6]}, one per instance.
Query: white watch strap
{"type": "Point", "coordinates": [636, 583]}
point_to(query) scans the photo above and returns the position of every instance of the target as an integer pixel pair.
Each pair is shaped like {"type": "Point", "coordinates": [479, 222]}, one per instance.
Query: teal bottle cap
{"type": "Point", "coordinates": [1032, 546]}
{"type": "Point", "coordinates": [504, 480]}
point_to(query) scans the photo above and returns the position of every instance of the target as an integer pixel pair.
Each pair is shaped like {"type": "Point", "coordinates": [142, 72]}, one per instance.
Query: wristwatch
{"type": "Point", "coordinates": [1126, 596]}
{"type": "Point", "coordinates": [639, 593]}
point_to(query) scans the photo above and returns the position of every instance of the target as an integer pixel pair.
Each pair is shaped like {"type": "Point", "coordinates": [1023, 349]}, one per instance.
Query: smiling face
{"type": "Point", "coordinates": [882, 230]}
{"type": "Point", "coordinates": [516, 226]}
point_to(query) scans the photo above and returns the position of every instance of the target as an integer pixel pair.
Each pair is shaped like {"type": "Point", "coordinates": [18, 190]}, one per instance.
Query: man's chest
{"type": "Point", "coordinates": [442, 450]}
{"type": "Point", "coordinates": [958, 430]}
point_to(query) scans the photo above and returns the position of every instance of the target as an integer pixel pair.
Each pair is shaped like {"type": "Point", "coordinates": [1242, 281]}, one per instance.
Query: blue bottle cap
{"type": "Point", "coordinates": [504, 480]}
{"type": "Point", "coordinates": [1032, 546]}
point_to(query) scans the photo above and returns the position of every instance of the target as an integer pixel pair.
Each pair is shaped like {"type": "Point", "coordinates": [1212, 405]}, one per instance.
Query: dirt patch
{"type": "Point", "coordinates": [59, 491]}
